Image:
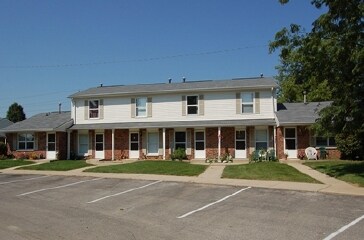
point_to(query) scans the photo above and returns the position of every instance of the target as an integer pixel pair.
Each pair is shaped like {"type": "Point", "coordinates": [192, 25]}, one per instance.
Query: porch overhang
{"type": "Point", "coordinates": [175, 124]}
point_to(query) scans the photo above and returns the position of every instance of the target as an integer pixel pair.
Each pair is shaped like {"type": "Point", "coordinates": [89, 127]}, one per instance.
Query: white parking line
{"type": "Point", "coordinates": [130, 190]}
{"type": "Point", "coordinates": [334, 234]}
{"type": "Point", "coordinates": [62, 186]}
{"type": "Point", "coordinates": [22, 180]}
{"type": "Point", "coordinates": [210, 204]}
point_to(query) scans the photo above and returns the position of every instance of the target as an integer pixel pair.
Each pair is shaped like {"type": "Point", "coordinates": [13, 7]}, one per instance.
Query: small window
{"type": "Point", "coordinates": [325, 142]}
{"type": "Point", "coordinates": [94, 108]}
{"type": "Point", "coordinates": [247, 102]}
{"type": "Point", "coordinates": [192, 105]}
{"type": "Point", "coordinates": [134, 141]}
{"type": "Point", "coordinates": [141, 107]}
{"type": "Point", "coordinates": [180, 140]}
{"type": "Point", "coordinates": [26, 141]}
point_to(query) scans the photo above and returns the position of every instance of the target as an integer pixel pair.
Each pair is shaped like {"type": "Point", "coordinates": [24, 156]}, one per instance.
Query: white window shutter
{"type": "Point", "coordinates": [101, 109]}
{"type": "Point", "coordinates": [132, 107]}
{"type": "Point", "coordinates": [257, 102]}
{"type": "Point", "coordinates": [238, 103]}
{"type": "Point", "coordinates": [183, 105]}
{"type": "Point", "coordinates": [201, 105]}
{"type": "Point", "coordinates": [149, 107]}
{"type": "Point", "coordinates": [86, 110]}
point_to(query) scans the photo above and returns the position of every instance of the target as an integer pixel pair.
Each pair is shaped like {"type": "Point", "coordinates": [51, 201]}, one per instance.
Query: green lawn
{"type": "Point", "coordinates": [348, 171]}
{"type": "Point", "coordinates": [59, 165]}
{"type": "Point", "coordinates": [153, 167]}
{"type": "Point", "coordinates": [266, 171]}
{"type": "Point", "coordinates": [13, 163]}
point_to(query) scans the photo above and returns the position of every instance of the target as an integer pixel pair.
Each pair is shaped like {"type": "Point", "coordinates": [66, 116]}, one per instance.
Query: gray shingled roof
{"type": "Point", "coordinates": [42, 122]}
{"type": "Point", "coordinates": [299, 113]}
{"type": "Point", "coordinates": [173, 124]}
{"type": "Point", "coordinates": [188, 86]}
{"type": "Point", "coordinates": [4, 122]}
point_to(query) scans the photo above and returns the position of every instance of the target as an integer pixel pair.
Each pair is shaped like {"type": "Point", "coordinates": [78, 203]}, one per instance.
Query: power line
{"type": "Point", "coordinates": [133, 60]}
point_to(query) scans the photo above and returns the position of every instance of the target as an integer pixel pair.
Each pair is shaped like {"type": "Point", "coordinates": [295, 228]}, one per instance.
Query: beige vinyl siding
{"type": "Point", "coordinates": [170, 107]}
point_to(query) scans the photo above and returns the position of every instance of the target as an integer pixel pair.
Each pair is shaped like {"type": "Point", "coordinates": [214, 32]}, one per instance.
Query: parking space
{"type": "Point", "coordinates": [59, 207]}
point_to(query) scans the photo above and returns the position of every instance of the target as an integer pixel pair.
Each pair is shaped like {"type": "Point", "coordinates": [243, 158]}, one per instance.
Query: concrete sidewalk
{"type": "Point", "coordinates": [212, 175]}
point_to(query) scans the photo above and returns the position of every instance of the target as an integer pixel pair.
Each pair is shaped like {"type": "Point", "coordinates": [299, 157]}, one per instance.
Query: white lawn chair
{"type": "Point", "coordinates": [311, 153]}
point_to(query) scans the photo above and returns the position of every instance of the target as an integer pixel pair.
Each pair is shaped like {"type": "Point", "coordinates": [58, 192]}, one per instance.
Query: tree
{"type": "Point", "coordinates": [327, 63]}
{"type": "Point", "coordinates": [15, 113]}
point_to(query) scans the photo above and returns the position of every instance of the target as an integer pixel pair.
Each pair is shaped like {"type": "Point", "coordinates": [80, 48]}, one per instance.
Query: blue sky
{"type": "Point", "coordinates": [51, 49]}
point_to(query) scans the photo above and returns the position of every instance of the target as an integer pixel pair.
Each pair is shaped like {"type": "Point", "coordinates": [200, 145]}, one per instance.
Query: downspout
{"type": "Point", "coordinates": [68, 144]}
{"type": "Point", "coordinates": [113, 144]}
{"type": "Point", "coordinates": [219, 143]}
{"type": "Point", "coordinates": [164, 143]}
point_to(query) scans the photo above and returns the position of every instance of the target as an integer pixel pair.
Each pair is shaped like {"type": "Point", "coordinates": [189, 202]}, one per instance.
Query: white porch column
{"type": "Point", "coordinates": [219, 143]}
{"type": "Point", "coordinates": [68, 144]}
{"type": "Point", "coordinates": [112, 144]}
{"type": "Point", "coordinates": [275, 140]}
{"type": "Point", "coordinates": [164, 143]}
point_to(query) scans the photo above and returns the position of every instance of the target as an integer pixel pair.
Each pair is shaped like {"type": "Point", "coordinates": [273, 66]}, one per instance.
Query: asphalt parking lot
{"type": "Point", "coordinates": [59, 207]}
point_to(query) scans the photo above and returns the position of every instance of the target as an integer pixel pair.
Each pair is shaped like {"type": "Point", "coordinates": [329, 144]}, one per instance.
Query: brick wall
{"type": "Point", "coordinates": [280, 142]}
{"type": "Point", "coordinates": [211, 142]}
{"type": "Point", "coordinates": [61, 141]}
{"type": "Point", "coordinates": [40, 152]}
{"type": "Point", "coordinates": [107, 144]}
{"type": "Point", "coordinates": [121, 144]}
{"type": "Point", "coordinates": [228, 140]}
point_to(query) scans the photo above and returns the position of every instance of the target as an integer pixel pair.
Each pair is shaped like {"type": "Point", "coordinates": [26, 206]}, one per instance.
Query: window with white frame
{"type": "Point", "coordinates": [82, 144]}
{"type": "Point", "coordinates": [247, 102]}
{"type": "Point", "coordinates": [180, 140]}
{"type": "Point", "coordinates": [25, 141]}
{"type": "Point", "coordinates": [192, 105]}
{"type": "Point", "coordinates": [261, 139]}
{"type": "Point", "coordinates": [325, 142]}
{"type": "Point", "coordinates": [94, 108]}
{"type": "Point", "coordinates": [141, 107]}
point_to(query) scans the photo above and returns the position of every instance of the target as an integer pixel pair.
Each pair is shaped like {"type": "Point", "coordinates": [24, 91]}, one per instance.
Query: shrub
{"type": "Point", "coordinates": [3, 149]}
{"type": "Point", "coordinates": [33, 156]}
{"type": "Point", "coordinates": [179, 154]}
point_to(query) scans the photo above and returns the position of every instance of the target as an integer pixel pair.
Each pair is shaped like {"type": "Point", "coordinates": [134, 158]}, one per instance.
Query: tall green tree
{"type": "Point", "coordinates": [15, 113]}
{"type": "Point", "coordinates": [327, 63]}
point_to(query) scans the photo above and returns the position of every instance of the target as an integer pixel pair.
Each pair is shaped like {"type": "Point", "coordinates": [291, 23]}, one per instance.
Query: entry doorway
{"type": "Point", "coordinates": [200, 152]}
{"type": "Point", "coordinates": [240, 143]}
{"type": "Point", "coordinates": [99, 146]}
{"type": "Point", "coordinates": [51, 146]}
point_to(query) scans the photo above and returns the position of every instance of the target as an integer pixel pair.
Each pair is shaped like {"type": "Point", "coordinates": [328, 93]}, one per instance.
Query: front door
{"type": "Point", "coordinates": [99, 145]}
{"type": "Point", "coordinates": [134, 145]}
{"type": "Point", "coordinates": [290, 142]}
{"type": "Point", "coordinates": [240, 146]}
{"type": "Point", "coordinates": [200, 152]}
{"type": "Point", "coordinates": [51, 146]}
{"type": "Point", "coordinates": [153, 143]}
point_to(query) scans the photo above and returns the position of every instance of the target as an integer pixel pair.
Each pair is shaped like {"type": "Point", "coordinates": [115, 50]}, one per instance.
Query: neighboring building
{"type": "Point", "coordinates": [43, 135]}
{"type": "Point", "coordinates": [4, 122]}
{"type": "Point", "coordinates": [149, 121]}
{"type": "Point", "coordinates": [293, 130]}
{"type": "Point", "coordinates": [206, 118]}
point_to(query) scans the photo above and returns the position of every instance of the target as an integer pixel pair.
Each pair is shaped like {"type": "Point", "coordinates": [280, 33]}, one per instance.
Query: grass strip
{"type": "Point", "coordinates": [153, 167]}
{"type": "Point", "coordinates": [272, 171]}
{"type": "Point", "coordinates": [348, 171]}
{"type": "Point", "coordinates": [13, 163]}
{"type": "Point", "coordinates": [59, 165]}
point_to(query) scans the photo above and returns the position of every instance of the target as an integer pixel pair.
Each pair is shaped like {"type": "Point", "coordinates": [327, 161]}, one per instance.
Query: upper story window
{"type": "Point", "coordinates": [192, 105]}
{"type": "Point", "coordinates": [141, 107]}
{"type": "Point", "coordinates": [94, 108]}
{"type": "Point", "coordinates": [325, 142]}
{"type": "Point", "coordinates": [247, 102]}
{"type": "Point", "coordinates": [25, 141]}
